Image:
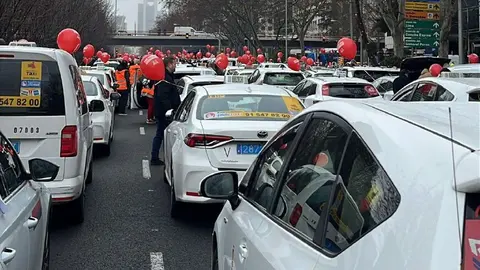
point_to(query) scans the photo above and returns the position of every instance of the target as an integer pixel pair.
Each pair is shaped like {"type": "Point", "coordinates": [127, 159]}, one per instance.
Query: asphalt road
{"type": "Point", "coordinates": [128, 223]}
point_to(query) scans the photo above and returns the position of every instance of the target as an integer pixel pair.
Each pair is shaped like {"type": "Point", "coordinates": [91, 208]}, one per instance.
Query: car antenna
{"type": "Point", "coordinates": [454, 174]}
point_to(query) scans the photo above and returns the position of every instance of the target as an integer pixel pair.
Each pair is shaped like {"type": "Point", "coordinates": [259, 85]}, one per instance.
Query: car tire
{"type": "Point", "coordinates": [107, 150]}
{"type": "Point", "coordinates": [89, 179]}
{"type": "Point", "coordinates": [214, 260]}
{"type": "Point", "coordinates": [175, 206]}
{"type": "Point", "coordinates": [78, 209]}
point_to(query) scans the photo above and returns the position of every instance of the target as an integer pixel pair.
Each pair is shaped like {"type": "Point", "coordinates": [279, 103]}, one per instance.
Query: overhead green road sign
{"type": "Point", "coordinates": [409, 24]}
{"type": "Point", "coordinates": [421, 33]}
{"type": "Point", "coordinates": [422, 43]}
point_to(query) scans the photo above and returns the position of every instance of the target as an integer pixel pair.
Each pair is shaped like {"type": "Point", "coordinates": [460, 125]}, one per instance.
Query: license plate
{"type": "Point", "coordinates": [249, 149]}
{"type": "Point", "coordinates": [16, 146]}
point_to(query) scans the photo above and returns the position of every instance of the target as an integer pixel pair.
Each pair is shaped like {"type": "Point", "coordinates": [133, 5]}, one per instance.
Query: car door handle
{"type": "Point", "coordinates": [243, 251]}
{"type": "Point", "coordinates": [8, 254]}
{"type": "Point", "coordinates": [175, 132]}
{"type": "Point", "coordinates": [169, 130]}
{"type": "Point", "coordinates": [32, 222]}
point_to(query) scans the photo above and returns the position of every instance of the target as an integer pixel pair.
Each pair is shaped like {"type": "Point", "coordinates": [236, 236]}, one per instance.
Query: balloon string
{"type": "Point", "coordinates": [168, 83]}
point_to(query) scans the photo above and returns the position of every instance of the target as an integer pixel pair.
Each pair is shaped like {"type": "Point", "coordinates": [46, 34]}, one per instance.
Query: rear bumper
{"type": "Point", "coordinates": [190, 173]}
{"type": "Point", "coordinates": [66, 190]}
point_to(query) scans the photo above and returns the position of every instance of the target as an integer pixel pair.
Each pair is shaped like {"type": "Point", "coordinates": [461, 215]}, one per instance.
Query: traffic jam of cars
{"type": "Point", "coordinates": [314, 168]}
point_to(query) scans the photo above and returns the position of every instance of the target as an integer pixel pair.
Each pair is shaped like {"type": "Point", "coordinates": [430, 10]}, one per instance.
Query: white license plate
{"type": "Point", "coordinates": [16, 146]}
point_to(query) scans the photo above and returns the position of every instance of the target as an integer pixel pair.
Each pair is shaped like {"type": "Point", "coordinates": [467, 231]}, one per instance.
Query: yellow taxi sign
{"type": "Point", "coordinates": [20, 101]}
{"type": "Point", "coordinates": [216, 96]}
{"type": "Point", "coordinates": [242, 114]}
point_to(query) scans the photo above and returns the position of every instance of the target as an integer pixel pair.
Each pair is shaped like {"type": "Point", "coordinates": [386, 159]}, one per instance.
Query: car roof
{"type": "Point", "coordinates": [338, 80]}
{"type": "Point", "coordinates": [389, 78]}
{"type": "Point", "coordinates": [205, 78]}
{"type": "Point", "coordinates": [242, 89]}
{"type": "Point", "coordinates": [87, 78]}
{"type": "Point", "coordinates": [466, 68]}
{"type": "Point", "coordinates": [454, 85]}
{"type": "Point", "coordinates": [51, 52]}
{"type": "Point", "coordinates": [277, 70]}
{"type": "Point", "coordinates": [94, 71]}
{"type": "Point", "coordinates": [431, 116]}
{"type": "Point", "coordinates": [370, 68]}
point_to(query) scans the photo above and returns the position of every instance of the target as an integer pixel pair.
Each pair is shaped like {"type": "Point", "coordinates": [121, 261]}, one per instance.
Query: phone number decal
{"type": "Point", "coordinates": [19, 102]}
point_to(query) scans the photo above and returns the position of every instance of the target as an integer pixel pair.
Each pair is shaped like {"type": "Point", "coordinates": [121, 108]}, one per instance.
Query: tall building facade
{"type": "Point", "coordinates": [121, 23]}
{"type": "Point", "coordinates": [147, 14]}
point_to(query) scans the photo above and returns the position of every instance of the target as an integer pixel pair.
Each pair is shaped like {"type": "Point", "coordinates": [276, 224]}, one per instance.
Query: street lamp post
{"type": "Point", "coordinates": [460, 33]}
{"type": "Point", "coordinates": [351, 19]}
{"type": "Point", "coordinates": [286, 29]}
{"type": "Point", "coordinates": [115, 17]}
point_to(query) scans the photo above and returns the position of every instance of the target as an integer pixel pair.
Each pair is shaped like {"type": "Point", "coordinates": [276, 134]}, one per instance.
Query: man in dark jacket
{"type": "Point", "coordinates": [401, 81]}
{"type": "Point", "coordinates": [166, 98]}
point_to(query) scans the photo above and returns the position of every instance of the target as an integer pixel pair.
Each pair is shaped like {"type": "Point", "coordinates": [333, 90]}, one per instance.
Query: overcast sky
{"type": "Point", "coordinates": [128, 8]}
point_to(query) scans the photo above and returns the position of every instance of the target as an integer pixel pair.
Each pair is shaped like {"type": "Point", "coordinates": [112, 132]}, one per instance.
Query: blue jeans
{"type": "Point", "coordinates": [158, 139]}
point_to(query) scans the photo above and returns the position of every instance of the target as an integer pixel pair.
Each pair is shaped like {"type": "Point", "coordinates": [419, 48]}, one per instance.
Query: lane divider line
{"type": "Point", "coordinates": [140, 112]}
{"type": "Point", "coordinates": [146, 169]}
{"type": "Point", "coordinates": [142, 131]}
{"type": "Point", "coordinates": [156, 261]}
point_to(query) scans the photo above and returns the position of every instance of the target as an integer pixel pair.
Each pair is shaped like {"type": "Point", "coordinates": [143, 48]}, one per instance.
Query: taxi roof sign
{"type": "Point", "coordinates": [236, 79]}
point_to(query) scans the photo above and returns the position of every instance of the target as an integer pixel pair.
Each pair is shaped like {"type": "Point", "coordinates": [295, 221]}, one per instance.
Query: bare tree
{"type": "Point", "coordinates": [447, 11]}
{"type": "Point", "coordinates": [365, 39]}
{"type": "Point", "coordinates": [304, 11]}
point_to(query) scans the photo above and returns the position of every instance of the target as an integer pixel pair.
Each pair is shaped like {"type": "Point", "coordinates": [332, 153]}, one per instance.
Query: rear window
{"type": "Point", "coordinates": [100, 77]}
{"type": "Point", "coordinates": [90, 88]}
{"type": "Point", "coordinates": [329, 74]}
{"type": "Point", "coordinates": [251, 107]}
{"type": "Point", "coordinates": [193, 85]}
{"type": "Point", "coordinates": [30, 88]}
{"type": "Point", "coordinates": [291, 79]}
{"type": "Point", "coordinates": [372, 75]}
{"type": "Point", "coordinates": [349, 90]}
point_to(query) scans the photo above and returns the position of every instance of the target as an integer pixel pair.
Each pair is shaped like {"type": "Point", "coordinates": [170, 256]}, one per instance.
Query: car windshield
{"type": "Point", "coordinates": [251, 107]}
{"type": "Point", "coordinates": [372, 75]}
{"type": "Point", "coordinates": [282, 78]}
{"type": "Point", "coordinates": [100, 77]}
{"type": "Point", "coordinates": [90, 88]}
{"type": "Point", "coordinates": [30, 88]}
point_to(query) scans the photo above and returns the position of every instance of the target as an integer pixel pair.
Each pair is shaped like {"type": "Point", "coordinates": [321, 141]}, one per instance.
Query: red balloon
{"type": "Point", "coordinates": [208, 46]}
{"type": "Point", "coordinates": [347, 48]}
{"type": "Point", "coordinates": [293, 63]}
{"type": "Point", "coordinates": [322, 51]}
{"type": "Point", "coordinates": [233, 54]}
{"type": "Point", "coordinates": [126, 58]}
{"type": "Point", "coordinates": [199, 55]}
{"type": "Point", "coordinates": [280, 54]}
{"type": "Point", "coordinates": [101, 49]}
{"type": "Point", "coordinates": [279, 60]}
{"type": "Point", "coordinates": [245, 59]}
{"type": "Point", "coordinates": [227, 50]}
{"type": "Point", "coordinates": [69, 40]}
{"type": "Point", "coordinates": [261, 58]}
{"type": "Point", "coordinates": [310, 62]}
{"type": "Point", "coordinates": [153, 68]}
{"type": "Point", "coordinates": [304, 58]}
{"type": "Point", "coordinates": [221, 61]}
{"type": "Point", "coordinates": [85, 60]}
{"type": "Point", "coordinates": [151, 49]}
{"type": "Point", "coordinates": [248, 53]}
{"type": "Point", "coordinates": [259, 51]}
{"type": "Point", "coordinates": [99, 54]}
{"type": "Point", "coordinates": [105, 57]}
{"type": "Point", "coordinates": [435, 70]}
{"type": "Point", "coordinates": [473, 58]}
{"type": "Point", "coordinates": [245, 48]}
{"type": "Point", "coordinates": [157, 52]}
{"type": "Point", "coordinates": [88, 51]}
{"type": "Point", "coordinates": [208, 55]}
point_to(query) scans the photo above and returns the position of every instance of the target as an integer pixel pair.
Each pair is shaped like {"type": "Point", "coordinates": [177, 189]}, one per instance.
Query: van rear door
{"type": "Point", "coordinates": [32, 107]}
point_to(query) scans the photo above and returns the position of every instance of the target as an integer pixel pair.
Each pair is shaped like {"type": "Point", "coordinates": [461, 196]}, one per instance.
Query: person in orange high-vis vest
{"type": "Point", "coordinates": [123, 79]}
{"type": "Point", "coordinates": [135, 68]}
{"type": "Point", "coordinates": [149, 92]}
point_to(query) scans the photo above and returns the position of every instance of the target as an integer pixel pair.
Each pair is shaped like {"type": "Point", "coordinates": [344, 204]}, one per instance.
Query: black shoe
{"type": "Point", "coordinates": [156, 162]}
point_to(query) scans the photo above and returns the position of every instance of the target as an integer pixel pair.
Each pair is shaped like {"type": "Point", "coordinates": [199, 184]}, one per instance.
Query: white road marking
{"type": "Point", "coordinates": [146, 169]}
{"type": "Point", "coordinates": [142, 131]}
{"type": "Point", "coordinates": [140, 112]}
{"type": "Point", "coordinates": [156, 260]}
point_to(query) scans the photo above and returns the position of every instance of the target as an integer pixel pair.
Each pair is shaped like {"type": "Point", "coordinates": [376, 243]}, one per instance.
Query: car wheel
{"type": "Point", "coordinates": [89, 179]}
{"type": "Point", "coordinates": [175, 206]}
{"type": "Point", "coordinates": [78, 209]}
{"type": "Point", "coordinates": [215, 257]}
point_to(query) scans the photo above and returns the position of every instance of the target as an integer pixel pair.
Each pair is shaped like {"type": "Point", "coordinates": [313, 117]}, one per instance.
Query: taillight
{"type": "Point", "coordinates": [68, 144]}
{"type": "Point", "coordinates": [371, 91]}
{"type": "Point", "coordinates": [296, 214]}
{"type": "Point", "coordinates": [471, 232]}
{"type": "Point", "coordinates": [194, 140]}
{"type": "Point", "coordinates": [325, 90]}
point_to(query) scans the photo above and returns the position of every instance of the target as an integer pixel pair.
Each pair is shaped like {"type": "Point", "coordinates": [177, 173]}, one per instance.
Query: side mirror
{"type": "Point", "coordinates": [169, 115]}
{"type": "Point", "coordinates": [221, 185]}
{"type": "Point", "coordinates": [96, 106]}
{"type": "Point", "coordinates": [115, 96]}
{"type": "Point", "coordinates": [115, 85]}
{"type": "Point", "coordinates": [42, 170]}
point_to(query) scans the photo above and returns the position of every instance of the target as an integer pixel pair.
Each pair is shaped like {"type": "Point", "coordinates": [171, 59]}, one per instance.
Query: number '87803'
{"type": "Point", "coordinates": [32, 130]}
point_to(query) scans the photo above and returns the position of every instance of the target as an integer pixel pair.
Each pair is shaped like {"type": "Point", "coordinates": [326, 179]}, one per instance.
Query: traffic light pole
{"type": "Point", "coordinates": [460, 33]}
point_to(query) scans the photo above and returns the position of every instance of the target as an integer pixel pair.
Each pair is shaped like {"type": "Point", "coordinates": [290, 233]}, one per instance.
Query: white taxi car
{"type": "Point", "coordinates": [44, 113]}
{"type": "Point", "coordinates": [187, 83]}
{"type": "Point", "coordinates": [105, 77]}
{"type": "Point", "coordinates": [352, 191]}
{"type": "Point", "coordinates": [25, 206]}
{"type": "Point", "coordinates": [440, 89]}
{"type": "Point", "coordinates": [102, 108]}
{"type": "Point", "coordinates": [282, 77]}
{"type": "Point", "coordinates": [190, 70]}
{"type": "Point", "coordinates": [314, 90]}
{"type": "Point", "coordinates": [220, 127]}
{"type": "Point", "coordinates": [367, 73]}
